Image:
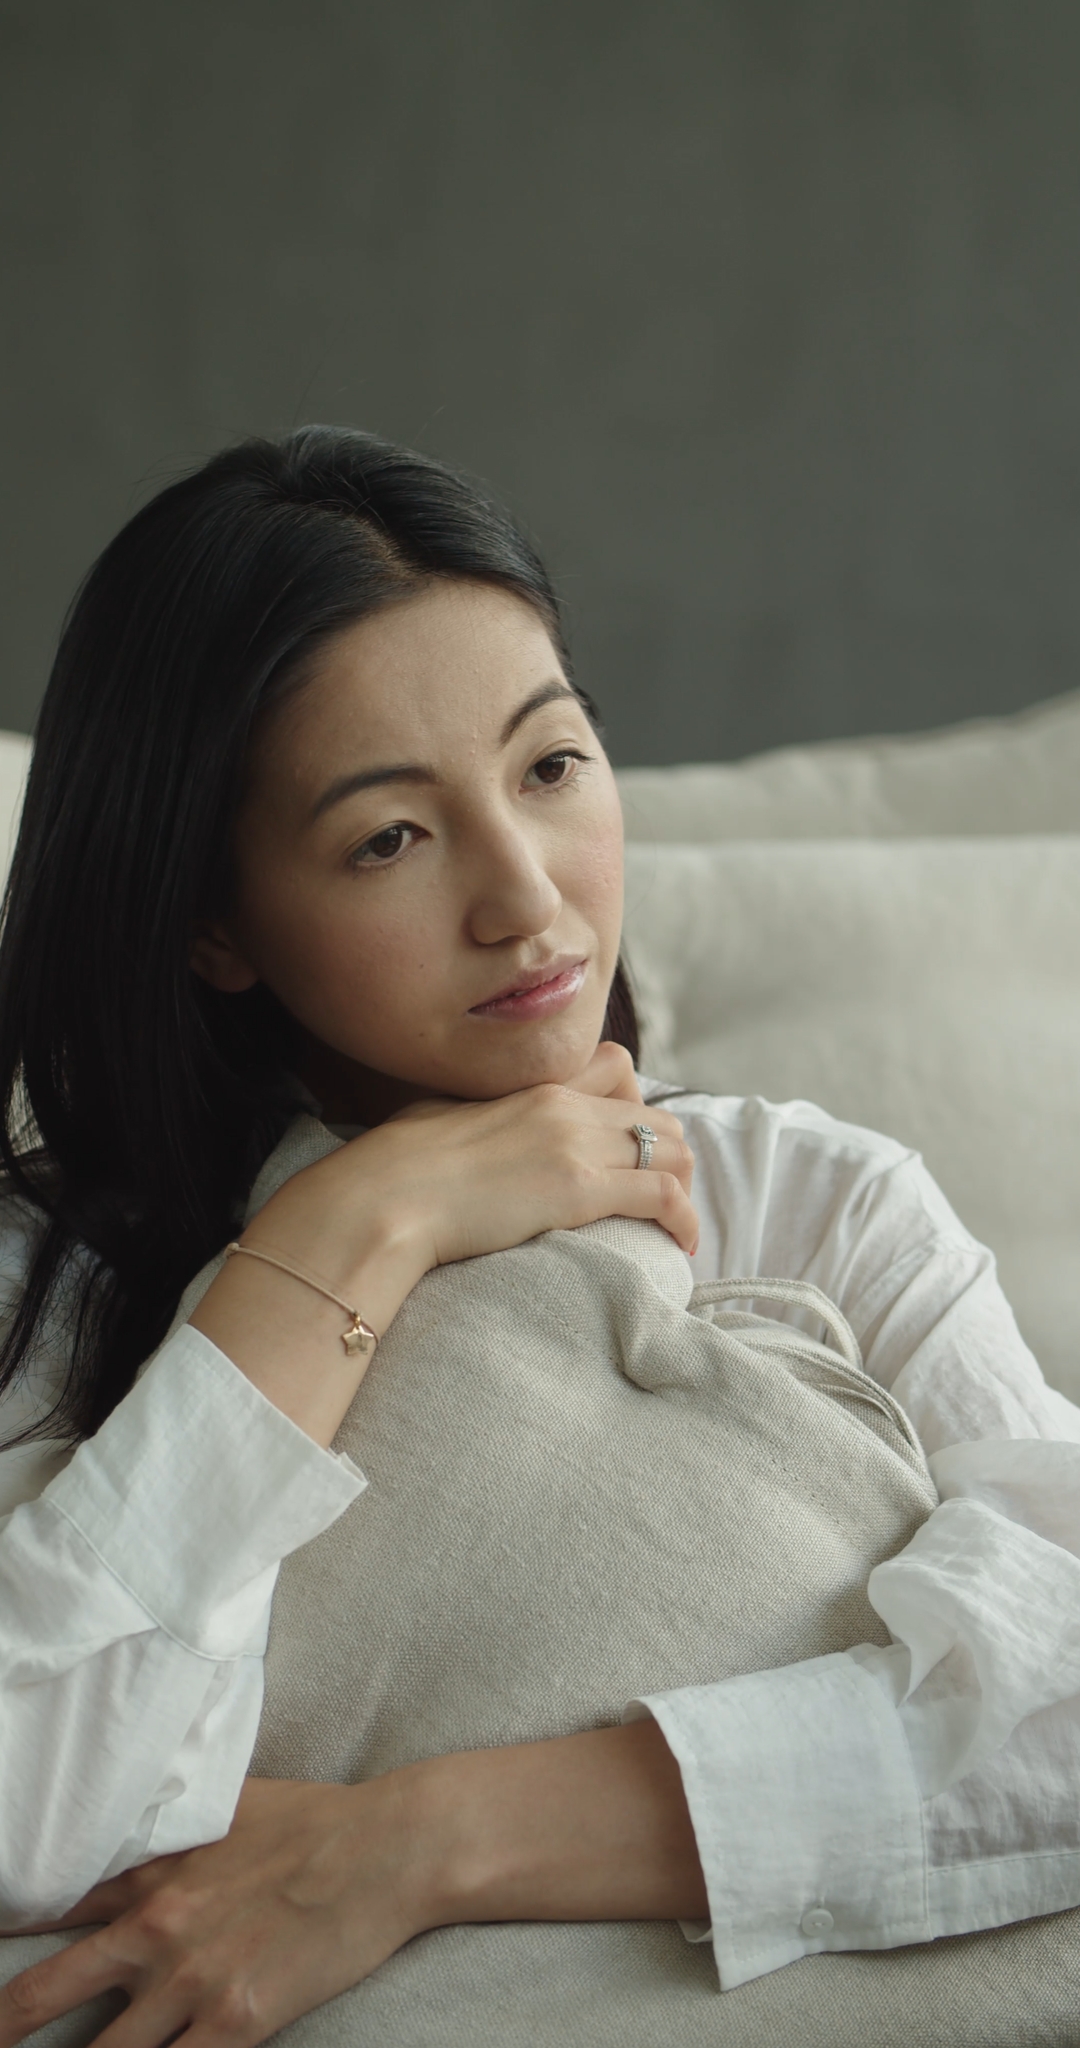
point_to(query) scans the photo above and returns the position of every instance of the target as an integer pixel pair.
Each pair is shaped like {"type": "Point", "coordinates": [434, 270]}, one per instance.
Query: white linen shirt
{"type": "Point", "coordinates": [861, 1800]}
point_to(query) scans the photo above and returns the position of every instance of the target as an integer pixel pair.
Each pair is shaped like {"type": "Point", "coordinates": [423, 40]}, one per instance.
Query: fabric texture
{"type": "Point", "coordinates": [988, 776]}
{"type": "Point", "coordinates": [926, 988]}
{"type": "Point", "coordinates": [638, 1462]}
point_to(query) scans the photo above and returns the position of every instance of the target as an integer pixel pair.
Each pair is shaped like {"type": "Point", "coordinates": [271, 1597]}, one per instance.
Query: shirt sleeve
{"type": "Point", "coordinates": [135, 1592]}
{"type": "Point", "coordinates": [891, 1795]}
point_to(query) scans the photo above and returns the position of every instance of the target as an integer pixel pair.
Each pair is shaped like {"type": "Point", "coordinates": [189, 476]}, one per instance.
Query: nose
{"type": "Point", "coordinates": [512, 895]}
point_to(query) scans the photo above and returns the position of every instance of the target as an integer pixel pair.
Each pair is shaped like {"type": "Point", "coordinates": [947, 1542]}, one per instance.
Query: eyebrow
{"type": "Point", "coordinates": [415, 771]}
{"type": "Point", "coordinates": [368, 778]}
{"type": "Point", "coordinates": [548, 693]}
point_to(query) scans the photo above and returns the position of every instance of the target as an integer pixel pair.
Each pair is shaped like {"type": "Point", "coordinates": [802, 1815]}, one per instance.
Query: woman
{"type": "Point", "coordinates": [317, 818]}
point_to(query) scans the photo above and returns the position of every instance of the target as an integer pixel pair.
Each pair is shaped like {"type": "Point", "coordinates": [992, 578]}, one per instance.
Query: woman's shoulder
{"type": "Point", "coordinates": [786, 1181]}
{"type": "Point", "coordinates": [776, 1130]}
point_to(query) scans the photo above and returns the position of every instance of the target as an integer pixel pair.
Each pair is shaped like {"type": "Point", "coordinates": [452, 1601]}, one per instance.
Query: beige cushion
{"type": "Point", "coordinates": [583, 1475]}
{"type": "Point", "coordinates": [1005, 775]}
{"type": "Point", "coordinates": [927, 988]}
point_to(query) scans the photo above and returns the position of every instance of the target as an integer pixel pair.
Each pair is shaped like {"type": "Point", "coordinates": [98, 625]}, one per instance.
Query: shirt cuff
{"type": "Point", "coordinates": [808, 1816]}
{"type": "Point", "coordinates": [193, 1491]}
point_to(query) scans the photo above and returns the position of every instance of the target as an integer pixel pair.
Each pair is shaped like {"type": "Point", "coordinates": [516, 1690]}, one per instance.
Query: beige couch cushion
{"type": "Point", "coordinates": [584, 1473]}
{"type": "Point", "coordinates": [927, 988]}
{"type": "Point", "coordinates": [1003, 775]}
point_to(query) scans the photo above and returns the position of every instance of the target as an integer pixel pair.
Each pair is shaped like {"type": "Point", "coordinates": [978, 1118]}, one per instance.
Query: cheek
{"type": "Point", "coordinates": [593, 876]}
{"type": "Point", "coordinates": [346, 963]}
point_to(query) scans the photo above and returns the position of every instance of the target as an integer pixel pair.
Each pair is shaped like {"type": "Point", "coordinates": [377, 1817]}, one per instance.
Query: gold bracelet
{"type": "Point", "coordinates": [359, 1340]}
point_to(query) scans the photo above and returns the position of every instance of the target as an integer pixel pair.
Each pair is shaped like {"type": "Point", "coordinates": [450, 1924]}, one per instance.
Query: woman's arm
{"type": "Point", "coordinates": [318, 1884]}
{"type": "Point", "coordinates": [584, 1827]}
{"type": "Point", "coordinates": [134, 1603]}
{"type": "Point", "coordinates": [441, 1182]}
{"type": "Point", "coordinates": [135, 1591]}
{"type": "Point", "coordinates": [891, 1795]}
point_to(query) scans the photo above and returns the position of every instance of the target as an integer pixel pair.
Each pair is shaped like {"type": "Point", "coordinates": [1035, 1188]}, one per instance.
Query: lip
{"type": "Point", "coordinates": [537, 992]}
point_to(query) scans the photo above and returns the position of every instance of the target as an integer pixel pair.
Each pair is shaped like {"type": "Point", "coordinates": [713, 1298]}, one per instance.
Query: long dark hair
{"type": "Point", "coordinates": [138, 1102]}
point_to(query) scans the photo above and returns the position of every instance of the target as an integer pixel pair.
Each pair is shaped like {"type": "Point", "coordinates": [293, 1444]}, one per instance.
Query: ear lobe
{"type": "Point", "coordinates": [216, 959]}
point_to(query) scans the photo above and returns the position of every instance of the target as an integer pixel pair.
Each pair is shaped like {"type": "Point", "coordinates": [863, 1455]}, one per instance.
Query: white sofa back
{"type": "Point", "coordinates": [890, 928]}
{"type": "Point", "coordinates": [992, 776]}
{"type": "Point", "coordinates": [14, 762]}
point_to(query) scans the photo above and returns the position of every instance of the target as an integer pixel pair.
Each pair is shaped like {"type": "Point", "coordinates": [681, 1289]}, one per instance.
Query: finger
{"type": "Point", "coordinates": [667, 1152]}
{"type": "Point", "coordinates": [612, 1111]}
{"type": "Point", "coordinates": [658, 1198]}
{"type": "Point", "coordinates": [150, 2021]}
{"type": "Point", "coordinates": [662, 1122]}
{"type": "Point", "coordinates": [59, 1983]}
{"type": "Point", "coordinates": [233, 2013]}
{"type": "Point", "coordinates": [610, 1072]}
{"type": "Point", "coordinates": [228, 2032]}
{"type": "Point", "coordinates": [666, 1155]}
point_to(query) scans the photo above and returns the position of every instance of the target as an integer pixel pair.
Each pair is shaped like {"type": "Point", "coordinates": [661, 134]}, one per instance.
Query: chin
{"type": "Point", "coordinates": [553, 1060]}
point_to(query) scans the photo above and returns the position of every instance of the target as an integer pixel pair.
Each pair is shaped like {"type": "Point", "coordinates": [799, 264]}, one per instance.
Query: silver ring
{"type": "Point", "coordinates": [646, 1139]}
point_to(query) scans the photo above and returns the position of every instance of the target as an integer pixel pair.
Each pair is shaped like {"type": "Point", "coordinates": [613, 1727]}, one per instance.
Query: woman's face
{"type": "Point", "coordinates": [429, 858]}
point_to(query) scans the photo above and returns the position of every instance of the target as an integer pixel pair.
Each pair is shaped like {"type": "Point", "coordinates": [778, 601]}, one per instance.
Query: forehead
{"type": "Point", "coordinates": [443, 668]}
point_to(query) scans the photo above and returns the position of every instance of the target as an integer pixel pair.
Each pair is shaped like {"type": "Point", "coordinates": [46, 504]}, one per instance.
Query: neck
{"type": "Point", "coordinates": [350, 1093]}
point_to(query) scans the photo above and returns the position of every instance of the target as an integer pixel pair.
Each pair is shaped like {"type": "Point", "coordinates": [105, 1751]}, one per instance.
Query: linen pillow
{"type": "Point", "coordinates": [926, 988]}
{"type": "Point", "coordinates": [990, 776]}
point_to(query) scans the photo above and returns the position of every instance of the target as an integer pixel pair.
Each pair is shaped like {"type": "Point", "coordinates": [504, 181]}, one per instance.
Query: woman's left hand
{"type": "Point", "coordinates": [312, 1888]}
{"type": "Point", "coordinates": [315, 1885]}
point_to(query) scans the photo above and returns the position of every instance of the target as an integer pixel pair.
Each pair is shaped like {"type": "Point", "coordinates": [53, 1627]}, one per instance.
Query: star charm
{"type": "Point", "coordinates": [357, 1343]}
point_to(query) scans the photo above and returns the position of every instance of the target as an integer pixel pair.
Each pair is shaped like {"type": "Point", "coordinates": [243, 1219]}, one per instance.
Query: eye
{"type": "Point", "coordinates": [383, 846]}
{"type": "Point", "coordinates": [555, 769]}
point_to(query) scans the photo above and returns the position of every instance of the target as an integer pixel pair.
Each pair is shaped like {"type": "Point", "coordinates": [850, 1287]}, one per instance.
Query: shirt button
{"type": "Point", "coordinates": [817, 1921]}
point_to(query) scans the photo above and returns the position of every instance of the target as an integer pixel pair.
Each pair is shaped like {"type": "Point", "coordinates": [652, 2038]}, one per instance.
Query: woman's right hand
{"type": "Point", "coordinates": [438, 1182]}
{"type": "Point", "coordinates": [446, 1180]}
{"type": "Point", "coordinates": [475, 1177]}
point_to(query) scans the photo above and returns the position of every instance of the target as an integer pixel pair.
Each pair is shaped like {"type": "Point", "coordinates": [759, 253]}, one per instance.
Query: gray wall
{"type": "Point", "coordinates": [764, 314]}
